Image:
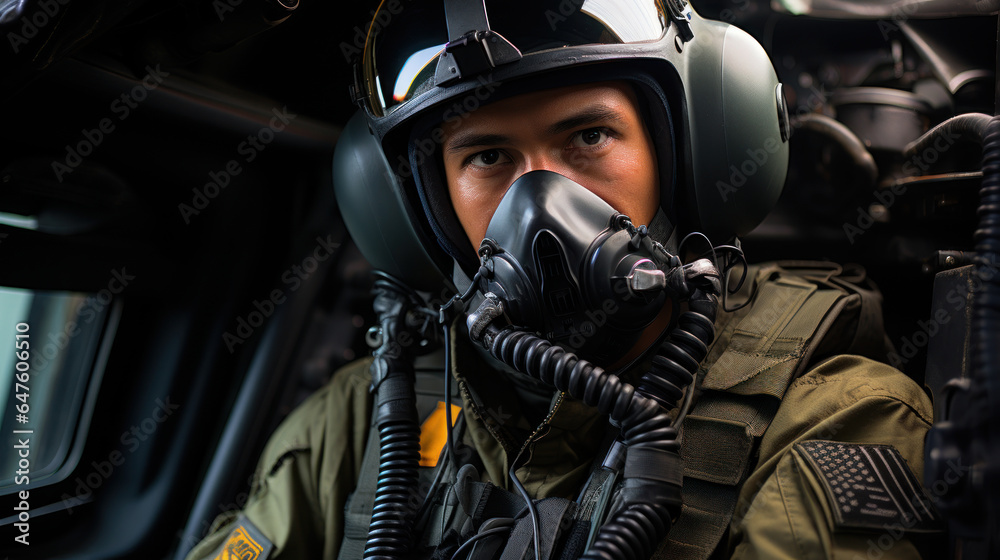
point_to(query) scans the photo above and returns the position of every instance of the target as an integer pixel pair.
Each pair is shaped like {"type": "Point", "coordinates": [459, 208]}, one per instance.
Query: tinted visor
{"type": "Point", "coordinates": [406, 38]}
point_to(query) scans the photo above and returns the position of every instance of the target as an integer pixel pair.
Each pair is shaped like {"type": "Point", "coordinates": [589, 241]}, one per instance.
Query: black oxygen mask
{"type": "Point", "coordinates": [565, 264]}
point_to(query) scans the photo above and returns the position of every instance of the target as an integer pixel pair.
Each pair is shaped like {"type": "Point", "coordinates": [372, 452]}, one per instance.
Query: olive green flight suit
{"type": "Point", "coordinates": [312, 462]}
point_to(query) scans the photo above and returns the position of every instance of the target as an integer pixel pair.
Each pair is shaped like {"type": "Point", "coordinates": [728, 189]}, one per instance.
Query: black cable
{"type": "Point", "coordinates": [742, 259]}
{"type": "Point", "coordinates": [448, 453]}
{"type": "Point", "coordinates": [447, 388]}
{"type": "Point", "coordinates": [444, 459]}
{"type": "Point", "coordinates": [698, 235]}
{"type": "Point", "coordinates": [456, 302]}
{"type": "Point", "coordinates": [532, 511]}
{"type": "Point", "coordinates": [477, 537]}
{"type": "Point", "coordinates": [686, 406]}
{"type": "Point", "coordinates": [723, 268]}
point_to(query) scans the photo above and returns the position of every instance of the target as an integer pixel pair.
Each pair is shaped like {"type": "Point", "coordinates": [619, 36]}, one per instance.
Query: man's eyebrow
{"type": "Point", "coordinates": [588, 115]}
{"type": "Point", "coordinates": [471, 140]}
{"type": "Point", "coordinates": [585, 116]}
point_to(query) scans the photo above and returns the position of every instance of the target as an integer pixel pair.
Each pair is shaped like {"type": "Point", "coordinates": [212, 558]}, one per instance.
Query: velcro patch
{"type": "Point", "coordinates": [869, 486]}
{"type": "Point", "coordinates": [434, 433]}
{"type": "Point", "coordinates": [245, 542]}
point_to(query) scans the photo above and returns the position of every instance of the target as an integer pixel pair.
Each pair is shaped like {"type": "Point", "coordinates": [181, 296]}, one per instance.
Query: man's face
{"type": "Point", "coordinates": [591, 133]}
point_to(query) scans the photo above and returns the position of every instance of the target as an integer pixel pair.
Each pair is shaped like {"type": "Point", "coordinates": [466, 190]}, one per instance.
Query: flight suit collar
{"type": "Point", "coordinates": [553, 455]}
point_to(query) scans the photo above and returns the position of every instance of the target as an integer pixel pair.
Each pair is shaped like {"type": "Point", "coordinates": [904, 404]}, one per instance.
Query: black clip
{"type": "Point", "coordinates": [680, 13]}
{"type": "Point", "coordinates": [640, 233]}
{"type": "Point", "coordinates": [472, 54]}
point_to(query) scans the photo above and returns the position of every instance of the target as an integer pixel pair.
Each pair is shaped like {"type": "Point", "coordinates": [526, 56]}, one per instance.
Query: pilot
{"type": "Point", "coordinates": [617, 382]}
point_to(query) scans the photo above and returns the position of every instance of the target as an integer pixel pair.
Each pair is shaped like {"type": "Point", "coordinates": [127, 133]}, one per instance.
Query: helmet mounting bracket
{"type": "Point", "coordinates": [472, 46]}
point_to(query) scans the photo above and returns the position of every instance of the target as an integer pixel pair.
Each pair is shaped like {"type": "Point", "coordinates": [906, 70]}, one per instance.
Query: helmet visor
{"type": "Point", "coordinates": [405, 40]}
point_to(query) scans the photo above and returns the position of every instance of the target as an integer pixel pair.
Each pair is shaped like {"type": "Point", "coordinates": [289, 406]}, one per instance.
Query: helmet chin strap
{"type": "Point", "coordinates": [663, 232]}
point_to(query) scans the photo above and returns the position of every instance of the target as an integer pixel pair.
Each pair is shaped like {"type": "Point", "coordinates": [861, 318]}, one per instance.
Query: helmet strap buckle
{"type": "Point", "coordinates": [472, 47]}
{"type": "Point", "coordinates": [472, 54]}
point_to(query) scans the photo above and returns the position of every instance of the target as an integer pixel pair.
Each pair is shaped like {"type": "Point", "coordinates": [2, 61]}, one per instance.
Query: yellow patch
{"type": "Point", "coordinates": [240, 546]}
{"type": "Point", "coordinates": [434, 434]}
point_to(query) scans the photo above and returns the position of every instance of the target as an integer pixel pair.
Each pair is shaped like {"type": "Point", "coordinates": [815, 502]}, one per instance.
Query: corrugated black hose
{"type": "Point", "coordinates": [971, 126]}
{"type": "Point", "coordinates": [651, 492]}
{"type": "Point", "coordinates": [967, 433]}
{"type": "Point", "coordinates": [396, 412]}
{"type": "Point", "coordinates": [986, 314]}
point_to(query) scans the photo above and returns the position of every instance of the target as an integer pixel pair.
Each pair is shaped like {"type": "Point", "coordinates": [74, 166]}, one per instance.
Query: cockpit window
{"type": "Point", "coordinates": [48, 347]}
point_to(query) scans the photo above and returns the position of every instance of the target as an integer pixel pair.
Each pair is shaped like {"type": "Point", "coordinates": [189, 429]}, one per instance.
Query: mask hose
{"type": "Point", "coordinates": [676, 362]}
{"type": "Point", "coordinates": [966, 433]}
{"type": "Point", "coordinates": [399, 313]}
{"type": "Point", "coordinates": [651, 492]}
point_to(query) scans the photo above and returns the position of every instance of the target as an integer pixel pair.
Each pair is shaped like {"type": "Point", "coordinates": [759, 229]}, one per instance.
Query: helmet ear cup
{"type": "Point", "coordinates": [738, 130]}
{"type": "Point", "coordinates": [371, 203]}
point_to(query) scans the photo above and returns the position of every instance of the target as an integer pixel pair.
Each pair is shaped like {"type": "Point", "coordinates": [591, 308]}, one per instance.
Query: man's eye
{"type": "Point", "coordinates": [487, 158]}
{"type": "Point", "coordinates": [590, 137]}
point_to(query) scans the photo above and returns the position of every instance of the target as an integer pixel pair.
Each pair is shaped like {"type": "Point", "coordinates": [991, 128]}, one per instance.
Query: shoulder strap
{"type": "Point", "coordinates": [358, 510]}
{"type": "Point", "coordinates": [758, 351]}
{"type": "Point", "coordinates": [764, 349]}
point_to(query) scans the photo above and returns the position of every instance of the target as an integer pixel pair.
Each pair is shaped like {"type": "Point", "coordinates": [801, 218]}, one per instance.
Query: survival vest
{"type": "Point", "coordinates": [799, 313]}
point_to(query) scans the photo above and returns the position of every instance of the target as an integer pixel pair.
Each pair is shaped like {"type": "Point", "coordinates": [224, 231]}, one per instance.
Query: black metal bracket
{"type": "Point", "coordinates": [473, 47]}
{"type": "Point", "coordinates": [680, 13]}
{"type": "Point", "coordinates": [473, 54]}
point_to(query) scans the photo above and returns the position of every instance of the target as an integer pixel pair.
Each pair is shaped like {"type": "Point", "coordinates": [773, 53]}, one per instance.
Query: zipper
{"type": "Point", "coordinates": [543, 426]}
{"type": "Point", "coordinates": [488, 423]}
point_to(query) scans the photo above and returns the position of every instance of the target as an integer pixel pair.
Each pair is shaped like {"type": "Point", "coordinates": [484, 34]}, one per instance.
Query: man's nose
{"type": "Point", "coordinates": [544, 161]}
